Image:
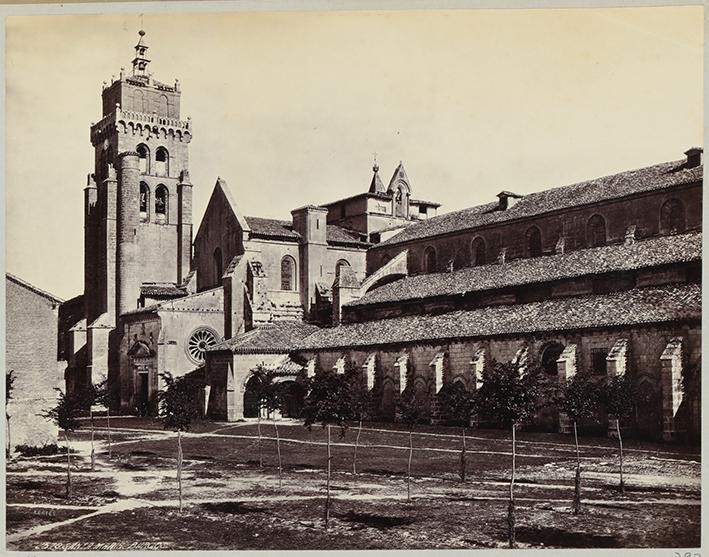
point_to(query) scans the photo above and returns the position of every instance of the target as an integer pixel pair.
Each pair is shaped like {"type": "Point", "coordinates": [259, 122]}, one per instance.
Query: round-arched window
{"type": "Point", "coordinates": [672, 217]}
{"type": "Point", "coordinates": [479, 254]}
{"type": "Point", "coordinates": [596, 231]}
{"type": "Point", "coordinates": [198, 343]}
{"type": "Point", "coordinates": [161, 200]}
{"type": "Point", "coordinates": [429, 260]}
{"type": "Point", "coordinates": [143, 158]}
{"type": "Point", "coordinates": [287, 273]}
{"type": "Point", "coordinates": [162, 161]}
{"type": "Point", "coordinates": [550, 354]}
{"type": "Point", "coordinates": [340, 264]}
{"type": "Point", "coordinates": [144, 201]}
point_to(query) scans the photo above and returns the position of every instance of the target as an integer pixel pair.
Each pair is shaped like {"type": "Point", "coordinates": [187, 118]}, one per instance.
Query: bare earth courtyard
{"type": "Point", "coordinates": [130, 500]}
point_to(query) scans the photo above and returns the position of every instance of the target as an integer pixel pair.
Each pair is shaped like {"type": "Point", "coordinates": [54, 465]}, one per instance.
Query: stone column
{"type": "Point", "coordinates": [671, 382]}
{"type": "Point", "coordinates": [616, 363]}
{"type": "Point", "coordinates": [566, 368]}
{"type": "Point", "coordinates": [128, 253]}
{"type": "Point", "coordinates": [234, 396]}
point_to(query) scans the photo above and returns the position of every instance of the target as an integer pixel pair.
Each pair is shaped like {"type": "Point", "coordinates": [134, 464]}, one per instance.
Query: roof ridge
{"type": "Point", "coordinates": [34, 289]}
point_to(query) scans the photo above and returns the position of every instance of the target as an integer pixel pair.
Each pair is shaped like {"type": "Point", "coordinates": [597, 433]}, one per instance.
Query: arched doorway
{"type": "Point", "coordinates": [251, 402]}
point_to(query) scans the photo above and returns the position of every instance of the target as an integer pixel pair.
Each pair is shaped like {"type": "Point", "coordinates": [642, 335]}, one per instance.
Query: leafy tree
{"type": "Point", "coordinates": [327, 403]}
{"type": "Point", "coordinates": [9, 386]}
{"type": "Point", "coordinates": [178, 406]}
{"type": "Point", "coordinates": [270, 397]}
{"type": "Point", "coordinates": [357, 398]}
{"type": "Point", "coordinates": [618, 396]}
{"type": "Point", "coordinates": [411, 411]}
{"type": "Point", "coordinates": [512, 398]}
{"type": "Point", "coordinates": [66, 416]}
{"type": "Point", "coordinates": [458, 406]}
{"type": "Point", "coordinates": [578, 398]}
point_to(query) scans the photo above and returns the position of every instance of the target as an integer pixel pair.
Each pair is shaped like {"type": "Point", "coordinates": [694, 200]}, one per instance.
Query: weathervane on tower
{"type": "Point", "coordinates": [141, 61]}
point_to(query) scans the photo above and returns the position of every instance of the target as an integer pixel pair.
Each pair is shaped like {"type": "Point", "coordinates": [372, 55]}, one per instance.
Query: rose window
{"type": "Point", "coordinates": [198, 343]}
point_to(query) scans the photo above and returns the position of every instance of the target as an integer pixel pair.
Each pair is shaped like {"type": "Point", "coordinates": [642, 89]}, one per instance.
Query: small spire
{"type": "Point", "coordinates": [376, 166]}
{"type": "Point", "coordinates": [376, 185]}
{"type": "Point", "coordinates": [141, 61]}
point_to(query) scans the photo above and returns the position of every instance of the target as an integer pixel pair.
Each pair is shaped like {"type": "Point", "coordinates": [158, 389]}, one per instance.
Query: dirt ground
{"type": "Point", "coordinates": [130, 500]}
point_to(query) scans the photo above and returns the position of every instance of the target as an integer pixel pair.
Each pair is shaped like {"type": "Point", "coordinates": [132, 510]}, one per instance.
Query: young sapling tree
{"type": "Point", "coordinates": [178, 406]}
{"type": "Point", "coordinates": [578, 398]}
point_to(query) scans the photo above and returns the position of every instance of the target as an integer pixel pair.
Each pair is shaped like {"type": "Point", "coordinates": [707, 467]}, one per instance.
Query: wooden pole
{"type": "Point", "coordinates": [354, 459]}
{"type": "Point", "coordinates": [327, 497]}
{"type": "Point", "coordinates": [462, 459]}
{"type": "Point", "coordinates": [93, 452]}
{"type": "Point", "coordinates": [258, 427]}
{"type": "Point", "coordinates": [577, 481]}
{"type": "Point", "coordinates": [408, 468]}
{"type": "Point", "coordinates": [179, 468]}
{"type": "Point", "coordinates": [68, 465]}
{"type": "Point", "coordinates": [108, 424]}
{"type": "Point", "coordinates": [620, 443]}
{"type": "Point", "coordinates": [278, 450]}
{"type": "Point", "coordinates": [511, 507]}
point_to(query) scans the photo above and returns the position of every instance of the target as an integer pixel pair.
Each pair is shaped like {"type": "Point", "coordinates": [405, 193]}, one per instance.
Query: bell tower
{"type": "Point", "coordinates": [138, 200]}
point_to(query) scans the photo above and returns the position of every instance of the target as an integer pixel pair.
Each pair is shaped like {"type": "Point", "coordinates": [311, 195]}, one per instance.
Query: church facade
{"type": "Point", "coordinates": [603, 276]}
{"type": "Point", "coordinates": [158, 292]}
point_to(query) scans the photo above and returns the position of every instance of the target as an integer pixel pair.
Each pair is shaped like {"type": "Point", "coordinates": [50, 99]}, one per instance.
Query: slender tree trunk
{"type": "Point", "coordinates": [408, 468]}
{"type": "Point", "coordinates": [511, 507]}
{"type": "Point", "coordinates": [68, 465]}
{"type": "Point", "coordinates": [260, 450]}
{"type": "Point", "coordinates": [327, 495]}
{"type": "Point", "coordinates": [278, 450]}
{"type": "Point", "coordinates": [93, 452]}
{"type": "Point", "coordinates": [463, 459]}
{"type": "Point", "coordinates": [577, 481]}
{"type": "Point", "coordinates": [179, 468]}
{"type": "Point", "coordinates": [620, 443]}
{"type": "Point", "coordinates": [354, 458]}
{"type": "Point", "coordinates": [108, 425]}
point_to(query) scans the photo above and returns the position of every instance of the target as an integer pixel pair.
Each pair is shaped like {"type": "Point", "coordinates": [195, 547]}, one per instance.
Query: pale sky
{"type": "Point", "coordinates": [290, 107]}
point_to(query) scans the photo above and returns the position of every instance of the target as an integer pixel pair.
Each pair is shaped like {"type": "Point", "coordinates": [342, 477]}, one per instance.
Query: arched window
{"type": "Point", "coordinates": [161, 200]}
{"type": "Point", "coordinates": [162, 162]}
{"type": "Point", "coordinates": [550, 354]}
{"type": "Point", "coordinates": [672, 218]}
{"type": "Point", "coordinates": [143, 158]}
{"type": "Point", "coordinates": [163, 108]}
{"type": "Point", "coordinates": [144, 201]}
{"type": "Point", "coordinates": [400, 202]}
{"type": "Point", "coordinates": [218, 265]}
{"type": "Point", "coordinates": [429, 260]}
{"type": "Point", "coordinates": [338, 266]}
{"type": "Point", "coordinates": [534, 242]}
{"type": "Point", "coordinates": [287, 273]}
{"type": "Point", "coordinates": [478, 252]}
{"type": "Point", "coordinates": [596, 231]}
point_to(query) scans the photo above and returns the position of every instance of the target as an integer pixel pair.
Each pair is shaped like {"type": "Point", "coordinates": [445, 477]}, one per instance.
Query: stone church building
{"type": "Point", "coordinates": [603, 275]}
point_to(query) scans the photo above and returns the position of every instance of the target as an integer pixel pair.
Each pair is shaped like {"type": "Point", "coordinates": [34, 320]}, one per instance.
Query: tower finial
{"type": "Point", "coordinates": [141, 61]}
{"type": "Point", "coordinates": [376, 166]}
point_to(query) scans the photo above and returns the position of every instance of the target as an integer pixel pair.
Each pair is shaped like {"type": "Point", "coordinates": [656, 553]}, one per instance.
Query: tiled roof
{"type": "Point", "coordinates": [339, 235]}
{"type": "Point", "coordinates": [637, 306]}
{"type": "Point", "coordinates": [283, 230]}
{"type": "Point", "coordinates": [652, 252]}
{"type": "Point", "coordinates": [608, 187]}
{"type": "Point", "coordinates": [272, 228]}
{"type": "Point", "coordinates": [279, 337]}
{"type": "Point", "coordinates": [33, 288]}
{"type": "Point", "coordinates": [160, 289]}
